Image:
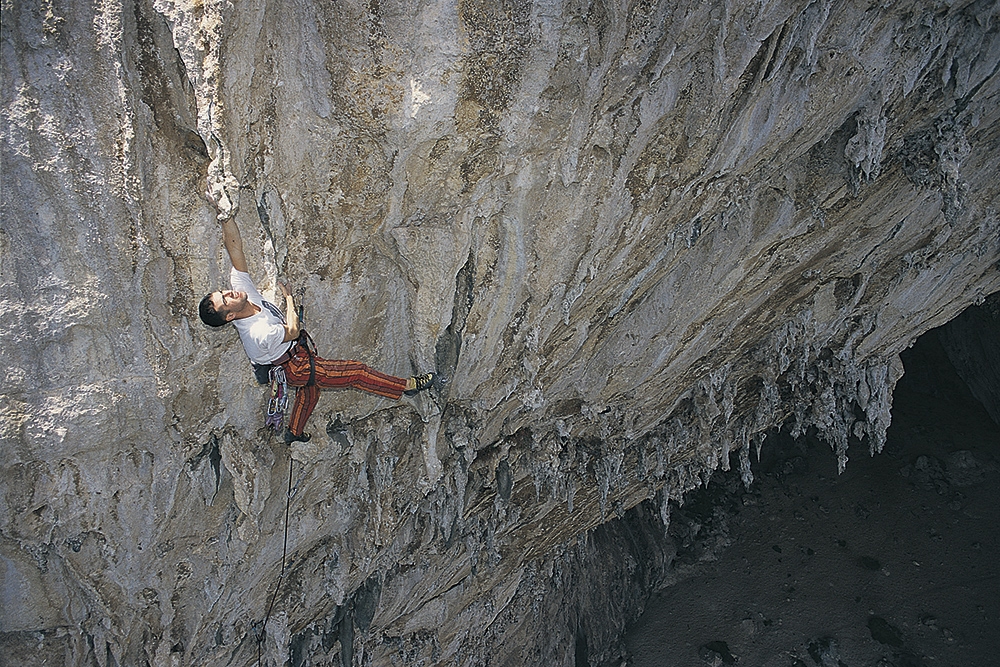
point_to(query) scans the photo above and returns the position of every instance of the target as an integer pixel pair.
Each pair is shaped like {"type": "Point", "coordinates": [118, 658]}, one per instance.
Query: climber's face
{"type": "Point", "coordinates": [230, 303]}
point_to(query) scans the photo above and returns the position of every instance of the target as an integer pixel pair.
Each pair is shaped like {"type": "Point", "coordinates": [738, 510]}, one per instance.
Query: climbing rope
{"type": "Point", "coordinates": [274, 416]}
{"type": "Point", "coordinates": [281, 575]}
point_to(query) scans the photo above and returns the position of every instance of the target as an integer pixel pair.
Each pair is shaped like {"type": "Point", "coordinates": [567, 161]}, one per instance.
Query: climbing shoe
{"type": "Point", "coordinates": [420, 382]}
{"type": "Point", "coordinates": [291, 437]}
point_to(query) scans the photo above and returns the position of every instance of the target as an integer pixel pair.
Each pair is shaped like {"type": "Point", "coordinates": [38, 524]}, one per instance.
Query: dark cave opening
{"type": "Point", "coordinates": [891, 564]}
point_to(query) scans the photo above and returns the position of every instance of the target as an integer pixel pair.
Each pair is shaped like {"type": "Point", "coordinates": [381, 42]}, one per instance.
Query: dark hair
{"type": "Point", "coordinates": [208, 314]}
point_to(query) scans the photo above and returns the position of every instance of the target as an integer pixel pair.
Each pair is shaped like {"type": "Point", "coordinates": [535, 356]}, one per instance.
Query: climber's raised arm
{"type": "Point", "coordinates": [231, 238]}
{"type": "Point", "coordinates": [234, 243]}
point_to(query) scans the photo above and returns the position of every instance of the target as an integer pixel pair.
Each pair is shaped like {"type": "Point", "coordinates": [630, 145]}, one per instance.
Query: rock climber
{"type": "Point", "coordinates": [272, 337]}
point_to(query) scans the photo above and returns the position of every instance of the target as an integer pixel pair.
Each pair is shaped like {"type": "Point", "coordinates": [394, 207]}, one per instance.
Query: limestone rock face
{"type": "Point", "coordinates": [633, 237]}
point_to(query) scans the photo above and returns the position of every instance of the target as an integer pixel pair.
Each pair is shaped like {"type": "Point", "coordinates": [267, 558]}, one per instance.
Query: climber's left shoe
{"type": "Point", "coordinates": [291, 437]}
{"type": "Point", "coordinates": [418, 383]}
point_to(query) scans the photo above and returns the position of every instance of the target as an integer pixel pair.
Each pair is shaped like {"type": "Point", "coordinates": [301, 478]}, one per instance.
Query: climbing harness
{"type": "Point", "coordinates": [274, 374]}
{"type": "Point", "coordinates": [277, 405]}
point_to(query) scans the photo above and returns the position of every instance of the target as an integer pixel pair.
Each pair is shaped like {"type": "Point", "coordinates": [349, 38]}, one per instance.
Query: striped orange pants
{"type": "Point", "coordinates": [333, 374]}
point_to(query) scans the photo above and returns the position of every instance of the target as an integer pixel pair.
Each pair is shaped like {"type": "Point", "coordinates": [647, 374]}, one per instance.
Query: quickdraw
{"type": "Point", "coordinates": [278, 404]}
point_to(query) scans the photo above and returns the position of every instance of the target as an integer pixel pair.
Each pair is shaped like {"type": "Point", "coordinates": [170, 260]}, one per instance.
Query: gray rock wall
{"type": "Point", "coordinates": [634, 237]}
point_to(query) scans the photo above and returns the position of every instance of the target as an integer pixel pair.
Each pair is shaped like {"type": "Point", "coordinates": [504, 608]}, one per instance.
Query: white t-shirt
{"type": "Point", "coordinates": [262, 334]}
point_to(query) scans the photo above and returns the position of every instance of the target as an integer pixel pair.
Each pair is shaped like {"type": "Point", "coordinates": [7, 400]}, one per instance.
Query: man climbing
{"type": "Point", "coordinates": [272, 337]}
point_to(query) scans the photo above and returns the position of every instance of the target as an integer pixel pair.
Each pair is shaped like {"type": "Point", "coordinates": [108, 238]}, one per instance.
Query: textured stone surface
{"type": "Point", "coordinates": [633, 236]}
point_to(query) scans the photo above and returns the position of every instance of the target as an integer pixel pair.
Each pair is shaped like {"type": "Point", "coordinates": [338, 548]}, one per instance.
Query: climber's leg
{"type": "Point", "coordinates": [339, 373]}
{"type": "Point", "coordinates": [305, 402]}
{"type": "Point", "coordinates": [342, 374]}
